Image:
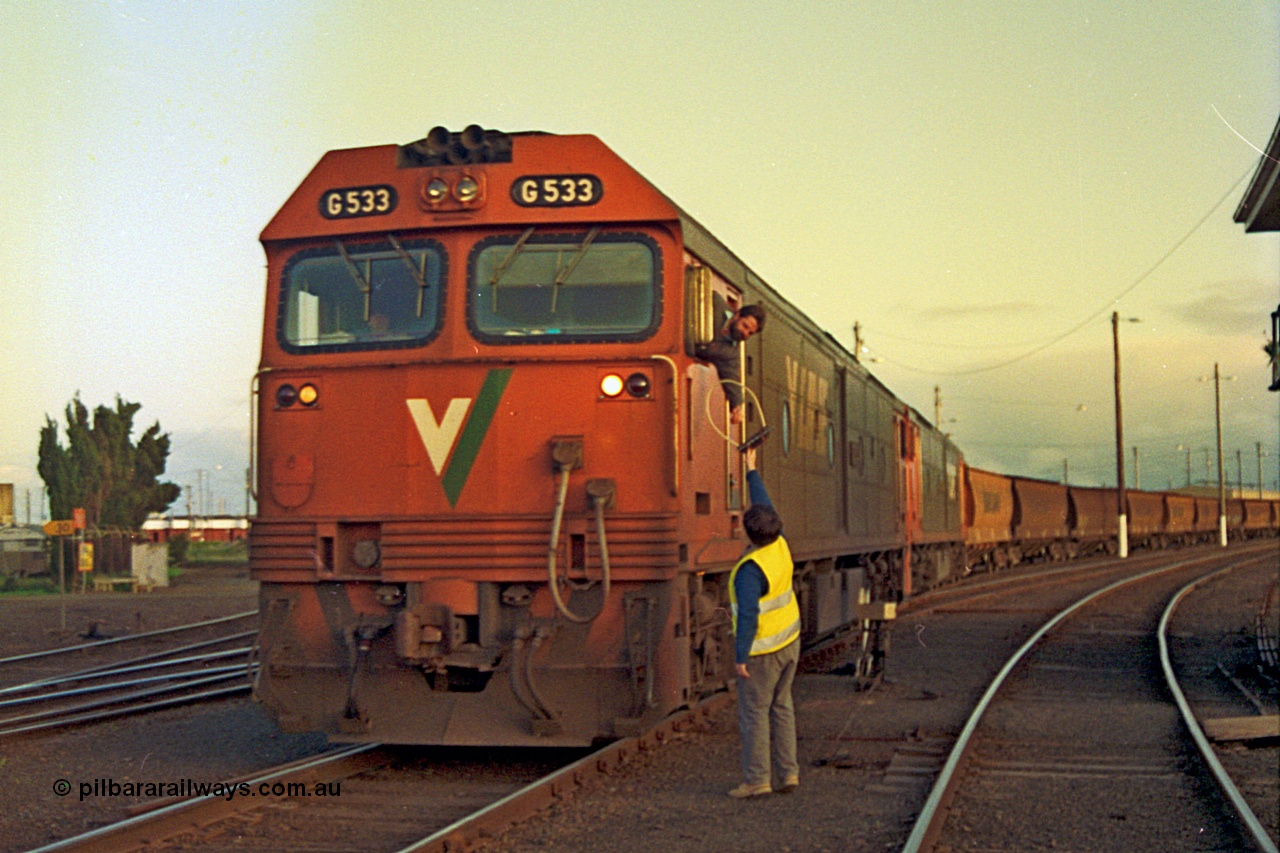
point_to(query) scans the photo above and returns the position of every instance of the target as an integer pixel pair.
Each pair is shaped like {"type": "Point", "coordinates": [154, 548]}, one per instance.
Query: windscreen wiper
{"type": "Point", "coordinates": [568, 268]}
{"type": "Point", "coordinates": [501, 269]}
{"type": "Point", "coordinates": [362, 279]}
{"type": "Point", "coordinates": [419, 275]}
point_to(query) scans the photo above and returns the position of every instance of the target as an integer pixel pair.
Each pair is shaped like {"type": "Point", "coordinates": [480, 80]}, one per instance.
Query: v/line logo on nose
{"type": "Point", "coordinates": [453, 442]}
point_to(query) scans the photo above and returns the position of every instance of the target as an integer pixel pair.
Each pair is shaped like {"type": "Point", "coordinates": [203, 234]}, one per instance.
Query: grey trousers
{"type": "Point", "coordinates": [767, 717]}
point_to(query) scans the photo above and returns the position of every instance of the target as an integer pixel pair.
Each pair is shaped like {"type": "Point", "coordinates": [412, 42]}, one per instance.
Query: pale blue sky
{"type": "Point", "coordinates": [968, 181]}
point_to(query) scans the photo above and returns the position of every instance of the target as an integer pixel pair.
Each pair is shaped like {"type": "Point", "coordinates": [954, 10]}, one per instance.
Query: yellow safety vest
{"type": "Point", "coordinates": [779, 622]}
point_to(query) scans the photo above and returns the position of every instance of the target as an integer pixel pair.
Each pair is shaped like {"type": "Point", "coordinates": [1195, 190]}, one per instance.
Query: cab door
{"type": "Point", "coordinates": [908, 440]}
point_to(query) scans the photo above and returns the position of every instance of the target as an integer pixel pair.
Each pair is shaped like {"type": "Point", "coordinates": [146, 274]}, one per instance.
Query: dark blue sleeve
{"type": "Point", "coordinates": [755, 485]}
{"type": "Point", "coordinates": [749, 586]}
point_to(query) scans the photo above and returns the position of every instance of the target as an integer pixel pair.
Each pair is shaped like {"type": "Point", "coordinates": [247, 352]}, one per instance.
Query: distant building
{"type": "Point", "coordinates": [21, 551]}
{"type": "Point", "coordinates": [208, 528]}
{"type": "Point", "coordinates": [1230, 492]}
{"type": "Point", "coordinates": [1259, 210]}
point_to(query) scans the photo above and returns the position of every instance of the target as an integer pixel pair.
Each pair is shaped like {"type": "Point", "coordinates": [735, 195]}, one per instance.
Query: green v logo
{"type": "Point", "coordinates": [453, 442]}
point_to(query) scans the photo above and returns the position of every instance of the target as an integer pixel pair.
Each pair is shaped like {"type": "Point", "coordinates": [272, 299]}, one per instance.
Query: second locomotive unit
{"type": "Point", "coordinates": [499, 496]}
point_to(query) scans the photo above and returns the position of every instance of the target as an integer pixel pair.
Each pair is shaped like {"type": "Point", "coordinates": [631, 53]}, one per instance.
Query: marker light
{"type": "Point", "coordinates": [638, 385]}
{"type": "Point", "coordinates": [611, 385]}
{"type": "Point", "coordinates": [308, 394]}
{"type": "Point", "coordinates": [435, 191]}
{"type": "Point", "coordinates": [467, 189]}
{"type": "Point", "coordinates": [286, 396]}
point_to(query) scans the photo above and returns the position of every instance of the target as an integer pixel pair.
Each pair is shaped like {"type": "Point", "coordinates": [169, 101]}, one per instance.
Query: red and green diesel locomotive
{"type": "Point", "coordinates": [498, 495]}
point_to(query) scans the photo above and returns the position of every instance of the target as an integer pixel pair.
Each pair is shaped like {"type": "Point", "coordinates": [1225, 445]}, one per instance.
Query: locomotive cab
{"type": "Point", "coordinates": [468, 447]}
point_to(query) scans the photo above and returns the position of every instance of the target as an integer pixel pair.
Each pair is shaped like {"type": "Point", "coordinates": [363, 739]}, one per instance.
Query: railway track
{"type": "Point", "coordinates": [214, 666]}
{"type": "Point", "coordinates": [374, 798]}
{"type": "Point", "coordinates": [355, 820]}
{"type": "Point", "coordinates": [1077, 737]}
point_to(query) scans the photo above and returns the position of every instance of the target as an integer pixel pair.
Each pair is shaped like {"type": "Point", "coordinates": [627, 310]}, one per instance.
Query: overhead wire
{"type": "Point", "coordinates": [1095, 314]}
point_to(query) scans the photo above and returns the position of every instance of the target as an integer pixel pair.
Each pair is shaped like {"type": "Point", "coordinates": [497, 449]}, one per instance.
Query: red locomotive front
{"type": "Point", "coordinates": [465, 464]}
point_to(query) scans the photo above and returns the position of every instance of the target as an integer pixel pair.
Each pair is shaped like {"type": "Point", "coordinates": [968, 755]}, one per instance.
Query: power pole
{"type": "Point", "coordinates": [1123, 518]}
{"type": "Point", "coordinates": [1222, 483]}
{"type": "Point", "coordinates": [1259, 475]}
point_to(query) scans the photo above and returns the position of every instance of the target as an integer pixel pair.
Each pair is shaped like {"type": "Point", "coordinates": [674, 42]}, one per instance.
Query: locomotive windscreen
{"type": "Point", "coordinates": [370, 296]}
{"type": "Point", "coordinates": [557, 286]}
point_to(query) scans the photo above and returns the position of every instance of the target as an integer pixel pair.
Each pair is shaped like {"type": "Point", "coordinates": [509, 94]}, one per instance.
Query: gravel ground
{"type": "Point", "coordinates": [867, 758]}
{"type": "Point", "coordinates": [204, 743]}
{"type": "Point", "coordinates": [1212, 643]}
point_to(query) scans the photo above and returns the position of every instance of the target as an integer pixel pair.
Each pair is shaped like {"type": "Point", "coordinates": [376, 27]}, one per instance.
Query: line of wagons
{"type": "Point", "coordinates": [1012, 519]}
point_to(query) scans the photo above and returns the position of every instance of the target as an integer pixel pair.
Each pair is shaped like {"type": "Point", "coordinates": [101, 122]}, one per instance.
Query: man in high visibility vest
{"type": "Point", "coordinates": [766, 620]}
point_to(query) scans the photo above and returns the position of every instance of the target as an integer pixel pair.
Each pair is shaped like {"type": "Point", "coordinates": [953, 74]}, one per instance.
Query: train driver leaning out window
{"type": "Point", "coordinates": [732, 327]}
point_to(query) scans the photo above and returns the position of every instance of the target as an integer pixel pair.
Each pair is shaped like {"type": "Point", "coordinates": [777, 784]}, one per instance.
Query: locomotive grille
{"type": "Point", "coordinates": [635, 541]}
{"type": "Point", "coordinates": [288, 546]}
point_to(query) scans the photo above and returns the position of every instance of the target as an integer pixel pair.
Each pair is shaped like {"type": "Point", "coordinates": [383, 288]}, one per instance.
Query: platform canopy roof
{"type": "Point", "coordinates": [1259, 210]}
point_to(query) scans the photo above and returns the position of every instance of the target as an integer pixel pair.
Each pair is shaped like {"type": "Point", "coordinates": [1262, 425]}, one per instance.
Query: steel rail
{"type": "Point", "coordinates": [1036, 575]}
{"type": "Point", "coordinates": [133, 709]}
{"type": "Point", "coordinates": [924, 827]}
{"type": "Point", "coordinates": [129, 638]}
{"type": "Point", "coordinates": [198, 811]}
{"type": "Point", "coordinates": [97, 673]}
{"type": "Point", "coordinates": [465, 833]}
{"type": "Point", "coordinates": [1258, 832]}
{"type": "Point", "coordinates": [6, 725]}
{"type": "Point", "coordinates": [120, 685]}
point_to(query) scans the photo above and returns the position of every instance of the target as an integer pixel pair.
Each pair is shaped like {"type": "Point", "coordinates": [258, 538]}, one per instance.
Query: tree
{"type": "Point", "coordinates": [102, 470]}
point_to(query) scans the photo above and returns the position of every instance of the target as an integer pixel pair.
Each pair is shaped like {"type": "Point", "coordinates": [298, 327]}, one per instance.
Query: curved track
{"type": "Point", "coordinates": [1075, 739]}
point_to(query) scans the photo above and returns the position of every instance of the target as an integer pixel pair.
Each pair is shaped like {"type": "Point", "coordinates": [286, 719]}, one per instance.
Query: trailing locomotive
{"type": "Point", "coordinates": [499, 498]}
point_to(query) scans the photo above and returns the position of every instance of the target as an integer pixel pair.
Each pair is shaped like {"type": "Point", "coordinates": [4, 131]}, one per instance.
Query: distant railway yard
{"type": "Point", "coordinates": [1076, 745]}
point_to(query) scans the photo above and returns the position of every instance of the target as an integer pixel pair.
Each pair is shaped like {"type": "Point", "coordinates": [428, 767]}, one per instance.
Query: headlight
{"type": "Point", "coordinates": [435, 191]}
{"type": "Point", "coordinates": [611, 385]}
{"type": "Point", "coordinates": [466, 190]}
{"type": "Point", "coordinates": [286, 396]}
{"type": "Point", "coordinates": [308, 394]}
{"type": "Point", "coordinates": [638, 385]}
